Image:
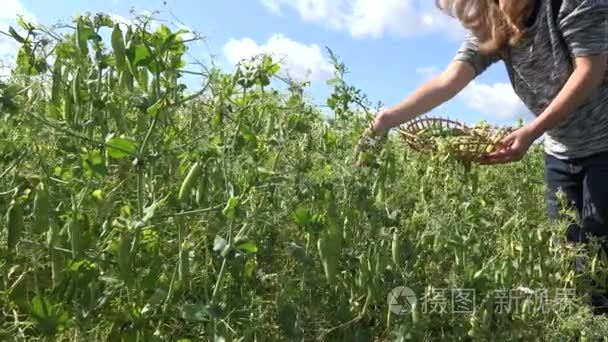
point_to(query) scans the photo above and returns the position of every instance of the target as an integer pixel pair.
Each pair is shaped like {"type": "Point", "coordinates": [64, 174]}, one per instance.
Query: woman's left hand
{"type": "Point", "coordinates": [513, 148]}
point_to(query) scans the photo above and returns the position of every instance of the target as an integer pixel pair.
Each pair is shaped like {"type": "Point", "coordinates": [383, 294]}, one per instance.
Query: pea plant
{"type": "Point", "coordinates": [138, 209]}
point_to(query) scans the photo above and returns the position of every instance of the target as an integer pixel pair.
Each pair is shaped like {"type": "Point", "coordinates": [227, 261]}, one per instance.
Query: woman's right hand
{"type": "Point", "coordinates": [370, 142]}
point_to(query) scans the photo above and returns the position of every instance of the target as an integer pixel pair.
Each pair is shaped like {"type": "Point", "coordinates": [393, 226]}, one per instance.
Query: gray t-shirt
{"type": "Point", "coordinates": [541, 63]}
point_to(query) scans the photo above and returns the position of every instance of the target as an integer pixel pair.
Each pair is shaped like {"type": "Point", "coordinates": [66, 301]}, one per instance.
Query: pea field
{"type": "Point", "coordinates": [135, 208]}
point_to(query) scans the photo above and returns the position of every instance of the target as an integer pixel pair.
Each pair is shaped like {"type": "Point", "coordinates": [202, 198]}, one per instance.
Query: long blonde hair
{"type": "Point", "coordinates": [497, 24]}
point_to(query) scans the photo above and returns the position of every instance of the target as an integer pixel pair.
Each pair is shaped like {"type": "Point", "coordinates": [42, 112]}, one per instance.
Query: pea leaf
{"type": "Point", "coordinates": [97, 194]}
{"type": "Point", "coordinates": [83, 33]}
{"type": "Point", "coordinates": [141, 56]}
{"type": "Point", "coordinates": [120, 148]}
{"type": "Point", "coordinates": [248, 246]}
{"type": "Point", "coordinates": [23, 24]}
{"type": "Point", "coordinates": [231, 207]}
{"type": "Point", "coordinates": [94, 164]}
{"type": "Point", "coordinates": [16, 35]}
{"type": "Point", "coordinates": [270, 67]}
{"type": "Point", "coordinates": [156, 107]}
{"type": "Point", "coordinates": [302, 217]}
{"type": "Point", "coordinates": [50, 319]}
{"type": "Point", "coordinates": [24, 60]}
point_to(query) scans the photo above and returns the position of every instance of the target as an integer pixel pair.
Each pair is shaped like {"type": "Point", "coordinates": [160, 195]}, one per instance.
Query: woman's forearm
{"type": "Point", "coordinates": [588, 75]}
{"type": "Point", "coordinates": [427, 97]}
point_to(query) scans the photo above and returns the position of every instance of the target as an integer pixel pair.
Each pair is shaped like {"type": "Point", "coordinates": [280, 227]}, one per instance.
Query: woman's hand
{"type": "Point", "coordinates": [369, 142]}
{"type": "Point", "coordinates": [513, 148]}
{"type": "Point", "coordinates": [587, 77]}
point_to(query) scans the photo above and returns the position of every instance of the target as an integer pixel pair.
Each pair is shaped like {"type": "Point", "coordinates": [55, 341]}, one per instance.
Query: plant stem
{"type": "Point", "coordinates": [220, 277]}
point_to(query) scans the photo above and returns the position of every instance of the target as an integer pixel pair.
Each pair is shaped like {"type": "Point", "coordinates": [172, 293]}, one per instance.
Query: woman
{"type": "Point", "coordinates": [556, 54]}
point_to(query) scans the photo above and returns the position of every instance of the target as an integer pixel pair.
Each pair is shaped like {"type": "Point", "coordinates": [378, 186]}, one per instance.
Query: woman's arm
{"type": "Point", "coordinates": [429, 96]}
{"type": "Point", "coordinates": [588, 75]}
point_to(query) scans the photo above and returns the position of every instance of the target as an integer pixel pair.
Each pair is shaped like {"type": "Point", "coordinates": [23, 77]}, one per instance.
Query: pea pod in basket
{"type": "Point", "coordinates": [445, 136]}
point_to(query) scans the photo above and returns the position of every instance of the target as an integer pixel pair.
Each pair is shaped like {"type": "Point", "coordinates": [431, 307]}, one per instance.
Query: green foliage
{"type": "Point", "coordinates": [275, 235]}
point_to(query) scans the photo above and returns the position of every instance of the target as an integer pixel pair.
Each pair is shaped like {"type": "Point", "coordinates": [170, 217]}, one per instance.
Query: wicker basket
{"type": "Point", "coordinates": [470, 144]}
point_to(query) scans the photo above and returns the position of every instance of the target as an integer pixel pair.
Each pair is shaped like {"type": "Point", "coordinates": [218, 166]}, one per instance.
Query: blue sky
{"type": "Point", "coordinates": [390, 46]}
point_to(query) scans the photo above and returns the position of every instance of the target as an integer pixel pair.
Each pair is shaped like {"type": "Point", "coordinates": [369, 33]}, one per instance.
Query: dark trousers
{"type": "Point", "coordinates": [584, 182]}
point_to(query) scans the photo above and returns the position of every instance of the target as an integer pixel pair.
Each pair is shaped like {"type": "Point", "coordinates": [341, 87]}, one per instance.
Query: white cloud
{"type": "Point", "coordinates": [372, 18]}
{"type": "Point", "coordinates": [11, 9]}
{"type": "Point", "coordinates": [273, 5]}
{"type": "Point", "coordinates": [497, 100]}
{"type": "Point", "coordinates": [154, 24]}
{"type": "Point", "coordinates": [119, 19]}
{"type": "Point", "coordinates": [302, 61]}
{"type": "Point", "coordinates": [494, 101]}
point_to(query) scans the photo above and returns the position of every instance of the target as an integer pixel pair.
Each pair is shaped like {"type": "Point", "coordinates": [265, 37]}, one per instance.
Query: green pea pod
{"type": "Point", "coordinates": [118, 44]}
{"type": "Point", "coordinates": [15, 225]}
{"type": "Point", "coordinates": [57, 83]}
{"type": "Point", "coordinates": [76, 242]}
{"type": "Point", "coordinates": [81, 37]}
{"type": "Point", "coordinates": [130, 57]}
{"type": "Point", "coordinates": [488, 311]}
{"type": "Point", "coordinates": [57, 264]}
{"type": "Point", "coordinates": [329, 257]}
{"type": "Point", "coordinates": [201, 192]}
{"type": "Point", "coordinates": [124, 257]}
{"type": "Point", "coordinates": [363, 278]}
{"type": "Point", "coordinates": [126, 80]}
{"type": "Point", "coordinates": [397, 249]}
{"type": "Point", "coordinates": [142, 78]}
{"type": "Point", "coordinates": [119, 118]}
{"type": "Point", "coordinates": [415, 313]}
{"type": "Point", "coordinates": [346, 230]}
{"type": "Point", "coordinates": [188, 183]}
{"type": "Point", "coordinates": [218, 117]}
{"type": "Point", "coordinates": [110, 79]}
{"type": "Point", "coordinates": [380, 263]}
{"type": "Point", "coordinates": [184, 266]}
{"type": "Point", "coordinates": [270, 126]}
{"type": "Point", "coordinates": [437, 243]}
{"type": "Point", "coordinates": [526, 310]}
{"type": "Point", "coordinates": [153, 93]}
{"type": "Point", "coordinates": [41, 210]}
{"type": "Point", "coordinates": [76, 87]}
{"type": "Point", "coordinates": [379, 187]}
{"type": "Point", "coordinates": [68, 107]}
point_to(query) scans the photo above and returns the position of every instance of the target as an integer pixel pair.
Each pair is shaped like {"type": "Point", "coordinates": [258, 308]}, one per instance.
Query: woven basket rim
{"type": "Point", "coordinates": [472, 150]}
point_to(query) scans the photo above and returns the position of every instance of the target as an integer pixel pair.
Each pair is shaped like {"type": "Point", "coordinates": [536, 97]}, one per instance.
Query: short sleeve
{"type": "Point", "coordinates": [584, 26]}
{"type": "Point", "coordinates": [469, 52]}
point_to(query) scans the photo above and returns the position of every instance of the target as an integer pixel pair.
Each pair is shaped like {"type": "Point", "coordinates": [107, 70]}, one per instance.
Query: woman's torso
{"type": "Point", "coordinates": [538, 67]}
